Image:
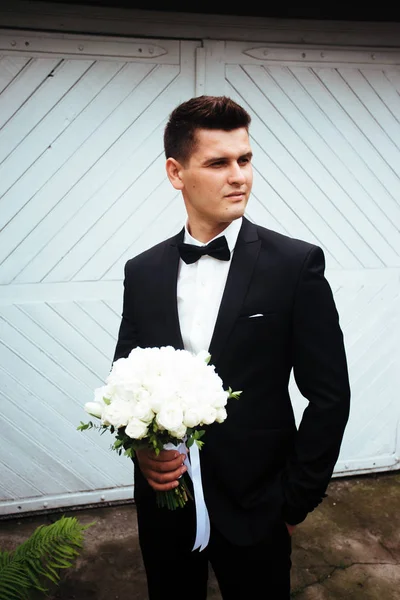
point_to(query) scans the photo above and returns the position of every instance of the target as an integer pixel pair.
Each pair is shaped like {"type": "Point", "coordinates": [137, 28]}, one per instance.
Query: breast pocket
{"type": "Point", "coordinates": [256, 326]}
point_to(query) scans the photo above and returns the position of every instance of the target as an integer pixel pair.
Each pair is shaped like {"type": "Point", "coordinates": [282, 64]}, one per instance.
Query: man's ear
{"type": "Point", "coordinates": [174, 172]}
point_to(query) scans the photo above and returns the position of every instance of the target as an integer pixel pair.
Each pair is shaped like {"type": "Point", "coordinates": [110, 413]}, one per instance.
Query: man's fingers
{"type": "Point", "coordinates": [153, 464]}
{"type": "Point", "coordinates": [164, 481]}
{"type": "Point", "coordinates": [166, 478]}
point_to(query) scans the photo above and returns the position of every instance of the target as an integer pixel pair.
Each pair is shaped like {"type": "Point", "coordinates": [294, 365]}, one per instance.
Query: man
{"type": "Point", "coordinates": [262, 308]}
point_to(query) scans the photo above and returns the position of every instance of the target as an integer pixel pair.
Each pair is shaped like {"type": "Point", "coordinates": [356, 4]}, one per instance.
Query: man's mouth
{"type": "Point", "coordinates": [236, 195]}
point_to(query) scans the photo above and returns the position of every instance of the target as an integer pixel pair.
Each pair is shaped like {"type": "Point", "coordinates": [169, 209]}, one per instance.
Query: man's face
{"type": "Point", "coordinates": [217, 179]}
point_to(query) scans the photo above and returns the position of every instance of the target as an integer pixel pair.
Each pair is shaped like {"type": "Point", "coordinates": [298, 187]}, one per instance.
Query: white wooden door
{"type": "Point", "coordinates": [82, 188]}
{"type": "Point", "coordinates": [326, 139]}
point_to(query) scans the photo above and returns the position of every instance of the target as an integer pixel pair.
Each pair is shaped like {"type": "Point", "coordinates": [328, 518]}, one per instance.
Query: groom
{"type": "Point", "coordinates": [259, 302]}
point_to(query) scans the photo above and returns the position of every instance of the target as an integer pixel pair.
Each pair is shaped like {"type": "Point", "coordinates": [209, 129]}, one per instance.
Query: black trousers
{"type": "Point", "coordinates": [166, 539]}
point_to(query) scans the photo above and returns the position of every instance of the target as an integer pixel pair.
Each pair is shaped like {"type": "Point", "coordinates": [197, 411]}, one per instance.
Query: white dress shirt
{"type": "Point", "coordinates": [200, 287]}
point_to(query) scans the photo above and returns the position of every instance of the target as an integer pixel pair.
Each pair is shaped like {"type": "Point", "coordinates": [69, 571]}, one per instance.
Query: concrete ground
{"type": "Point", "coordinates": [348, 548]}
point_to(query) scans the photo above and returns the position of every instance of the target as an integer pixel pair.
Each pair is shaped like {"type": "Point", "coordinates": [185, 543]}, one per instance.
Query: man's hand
{"type": "Point", "coordinates": [162, 471]}
{"type": "Point", "coordinates": [290, 528]}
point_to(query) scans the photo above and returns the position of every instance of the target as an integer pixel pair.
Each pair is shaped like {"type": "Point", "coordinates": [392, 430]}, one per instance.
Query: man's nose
{"type": "Point", "coordinates": [236, 174]}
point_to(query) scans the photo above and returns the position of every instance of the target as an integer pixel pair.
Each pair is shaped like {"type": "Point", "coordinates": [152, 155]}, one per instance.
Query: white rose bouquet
{"type": "Point", "coordinates": [159, 398]}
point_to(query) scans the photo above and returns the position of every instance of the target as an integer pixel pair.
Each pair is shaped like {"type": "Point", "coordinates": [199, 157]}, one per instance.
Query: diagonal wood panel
{"type": "Point", "coordinates": [305, 158]}
{"type": "Point", "coordinates": [10, 67]}
{"type": "Point", "coordinates": [326, 141]}
{"type": "Point", "coordinates": [81, 159]}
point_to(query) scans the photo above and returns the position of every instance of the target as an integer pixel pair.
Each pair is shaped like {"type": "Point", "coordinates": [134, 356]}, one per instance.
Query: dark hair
{"type": "Point", "coordinates": [201, 112]}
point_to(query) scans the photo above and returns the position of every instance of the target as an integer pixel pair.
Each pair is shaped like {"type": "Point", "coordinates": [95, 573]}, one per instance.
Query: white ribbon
{"type": "Point", "coordinates": [193, 468]}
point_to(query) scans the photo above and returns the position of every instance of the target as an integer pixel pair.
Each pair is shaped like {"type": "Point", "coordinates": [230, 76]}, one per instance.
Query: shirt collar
{"type": "Point", "coordinates": [231, 233]}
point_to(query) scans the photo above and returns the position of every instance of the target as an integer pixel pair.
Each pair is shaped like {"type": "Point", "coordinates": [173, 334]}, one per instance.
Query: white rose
{"type": "Point", "coordinates": [209, 414]}
{"type": "Point", "coordinates": [98, 405]}
{"type": "Point", "coordinates": [221, 415]}
{"type": "Point", "coordinates": [142, 410]}
{"type": "Point", "coordinates": [220, 399]}
{"type": "Point", "coordinates": [117, 414]}
{"type": "Point", "coordinates": [102, 392]}
{"type": "Point", "coordinates": [178, 433]}
{"type": "Point", "coordinates": [170, 416]}
{"type": "Point", "coordinates": [136, 429]}
{"type": "Point", "coordinates": [95, 409]}
{"type": "Point", "coordinates": [192, 416]}
{"type": "Point", "coordinates": [163, 393]}
{"type": "Point", "coordinates": [124, 376]}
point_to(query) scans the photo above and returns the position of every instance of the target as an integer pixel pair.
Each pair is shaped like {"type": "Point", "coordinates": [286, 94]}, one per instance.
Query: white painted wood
{"type": "Point", "coordinates": [86, 181]}
{"type": "Point", "coordinates": [348, 129]}
{"type": "Point", "coordinates": [51, 502]}
{"type": "Point", "coordinates": [83, 189]}
{"type": "Point", "coordinates": [80, 164]}
{"type": "Point", "coordinates": [302, 54]}
{"type": "Point", "coordinates": [19, 88]}
{"type": "Point", "coordinates": [326, 140]}
{"type": "Point", "coordinates": [140, 50]}
{"type": "Point", "coordinates": [360, 182]}
{"type": "Point", "coordinates": [9, 69]}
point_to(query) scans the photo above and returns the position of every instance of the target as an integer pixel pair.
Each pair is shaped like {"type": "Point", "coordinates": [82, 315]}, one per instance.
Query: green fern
{"type": "Point", "coordinates": [50, 548]}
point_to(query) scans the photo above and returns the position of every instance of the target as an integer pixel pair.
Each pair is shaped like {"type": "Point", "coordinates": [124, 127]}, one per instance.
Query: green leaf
{"type": "Point", "coordinates": [83, 426]}
{"type": "Point", "coordinates": [234, 394]}
{"type": "Point", "coordinates": [50, 549]}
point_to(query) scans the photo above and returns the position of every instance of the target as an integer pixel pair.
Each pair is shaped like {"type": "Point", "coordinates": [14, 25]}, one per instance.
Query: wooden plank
{"type": "Point", "coordinates": [349, 169]}
{"type": "Point", "coordinates": [32, 470]}
{"type": "Point", "coordinates": [383, 88]}
{"type": "Point", "coordinates": [83, 449]}
{"type": "Point", "coordinates": [49, 431]}
{"type": "Point", "coordinates": [10, 66]}
{"type": "Point", "coordinates": [374, 104]}
{"type": "Point", "coordinates": [328, 103]}
{"type": "Point", "coordinates": [82, 176]}
{"type": "Point", "coordinates": [100, 339]}
{"type": "Point", "coordinates": [329, 198]}
{"type": "Point", "coordinates": [167, 223]}
{"type": "Point", "coordinates": [103, 314]}
{"type": "Point", "coordinates": [364, 121]}
{"type": "Point", "coordinates": [25, 84]}
{"type": "Point", "coordinates": [131, 214]}
{"type": "Point", "coordinates": [124, 158]}
{"type": "Point", "coordinates": [92, 100]}
{"type": "Point", "coordinates": [48, 341]}
{"type": "Point", "coordinates": [85, 350]}
{"type": "Point", "coordinates": [33, 293]}
{"type": "Point", "coordinates": [284, 155]}
{"type": "Point", "coordinates": [29, 119]}
{"type": "Point", "coordinates": [47, 367]}
{"type": "Point", "coordinates": [288, 205]}
{"type": "Point", "coordinates": [12, 484]}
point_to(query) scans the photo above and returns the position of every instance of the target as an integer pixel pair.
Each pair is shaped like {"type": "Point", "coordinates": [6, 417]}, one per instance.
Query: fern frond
{"type": "Point", "coordinates": [14, 583]}
{"type": "Point", "coordinates": [49, 549]}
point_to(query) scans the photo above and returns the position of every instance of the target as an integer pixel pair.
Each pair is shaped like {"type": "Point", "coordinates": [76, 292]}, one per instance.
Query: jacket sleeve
{"type": "Point", "coordinates": [127, 335]}
{"type": "Point", "coordinates": [321, 374]}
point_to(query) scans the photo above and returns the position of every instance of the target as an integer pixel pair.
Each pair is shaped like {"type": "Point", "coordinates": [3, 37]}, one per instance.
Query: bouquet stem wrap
{"type": "Point", "coordinates": [194, 470]}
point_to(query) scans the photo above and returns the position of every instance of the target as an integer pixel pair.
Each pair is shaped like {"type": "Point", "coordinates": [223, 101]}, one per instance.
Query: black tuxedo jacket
{"type": "Point", "coordinates": [258, 468]}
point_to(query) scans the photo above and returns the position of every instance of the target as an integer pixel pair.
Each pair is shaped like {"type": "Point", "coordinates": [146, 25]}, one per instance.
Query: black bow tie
{"type": "Point", "coordinates": [218, 248]}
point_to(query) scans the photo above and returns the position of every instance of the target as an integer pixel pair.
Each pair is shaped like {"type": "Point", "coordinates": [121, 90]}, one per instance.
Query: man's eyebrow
{"type": "Point", "coordinates": [213, 159]}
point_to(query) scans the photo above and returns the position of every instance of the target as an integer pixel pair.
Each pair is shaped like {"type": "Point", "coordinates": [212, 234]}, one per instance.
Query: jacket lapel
{"type": "Point", "coordinates": [240, 273]}
{"type": "Point", "coordinates": [170, 265]}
